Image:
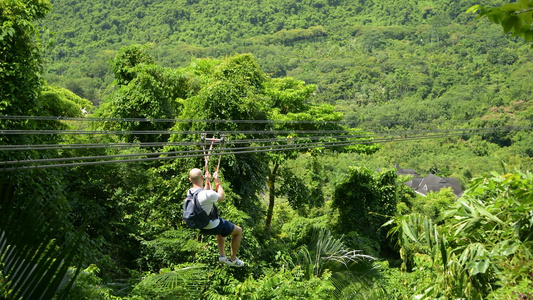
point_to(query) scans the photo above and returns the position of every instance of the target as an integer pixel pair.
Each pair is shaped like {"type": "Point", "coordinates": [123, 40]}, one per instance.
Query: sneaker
{"type": "Point", "coordinates": [222, 259]}
{"type": "Point", "coordinates": [234, 263]}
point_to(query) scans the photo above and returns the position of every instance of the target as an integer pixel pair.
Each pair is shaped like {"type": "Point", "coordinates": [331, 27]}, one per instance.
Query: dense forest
{"type": "Point", "coordinates": [386, 65]}
{"type": "Point", "coordinates": [104, 103]}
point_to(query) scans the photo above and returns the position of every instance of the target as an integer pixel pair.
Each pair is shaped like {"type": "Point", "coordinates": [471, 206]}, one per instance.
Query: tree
{"type": "Point", "coordinates": [61, 102]}
{"type": "Point", "coordinates": [292, 113]}
{"type": "Point", "coordinates": [145, 91]}
{"type": "Point", "coordinates": [20, 56]}
{"type": "Point", "coordinates": [231, 89]}
{"type": "Point", "coordinates": [515, 18]}
{"type": "Point", "coordinates": [20, 66]}
{"type": "Point", "coordinates": [365, 200]}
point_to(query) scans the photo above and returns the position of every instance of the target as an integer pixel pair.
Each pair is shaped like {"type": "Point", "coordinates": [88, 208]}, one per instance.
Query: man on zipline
{"type": "Point", "coordinates": [218, 226]}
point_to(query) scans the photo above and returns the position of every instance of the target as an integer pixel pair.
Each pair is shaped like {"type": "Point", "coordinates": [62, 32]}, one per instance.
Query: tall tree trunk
{"type": "Point", "coordinates": [271, 182]}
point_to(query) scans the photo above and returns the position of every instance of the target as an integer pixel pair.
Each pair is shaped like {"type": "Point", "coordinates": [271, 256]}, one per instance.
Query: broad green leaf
{"type": "Point", "coordinates": [407, 230]}
{"type": "Point", "coordinates": [517, 26]}
{"type": "Point", "coordinates": [427, 231]}
{"type": "Point", "coordinates": [511, 249]}
{"type": "Point", "coordinates": [474, 8]}
{"type": "Point", "coordinates": [483, 212]}
{"type": "Point", "coordinates": [523, 4]}
{"type": "Point", "coordinates": [443, 253]}
{"type": "Point", "coordinates": [510, 7]}
{"type": "Point", "coordinates": [479, 266]}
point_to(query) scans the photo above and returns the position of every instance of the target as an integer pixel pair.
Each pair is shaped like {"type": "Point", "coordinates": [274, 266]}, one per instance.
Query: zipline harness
{"type": "Point", "coordinates": [207, 154]}
{"type": "Point", "coordinates": [213, 140]}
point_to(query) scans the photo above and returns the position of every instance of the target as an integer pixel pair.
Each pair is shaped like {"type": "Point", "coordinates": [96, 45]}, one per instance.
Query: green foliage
{"type": "Point", "coordinates": [145, 91]}
{"type": "Point", "coordinates": [392, 68]}
{"type": "Point", "coordinates": [20, 56]}
{"type": "Point", "coordinates": [170, 247]}
{"type": "Point", "coordinates": [482, 248]}
{"type": "Point", "coordinates": [364, 200]}
{"type": "Point", "coordinates": [351, 271]}
{"type": "Point", "coordinates": [89, 286]}
{"type": "Point", "coordinates": [515, 18]}
{"type": "Point", "coordinates": [21, 72]}
{"type": "Point", "coordinates": [289, 36]}
{"type": "Point", "coordinates": [34, 254]}
{"type": "Point", "coordinates": [58, 101]}
{"type": "Point", "coordinates": [395, 68]}
{"type": "Point", "coordinates": [179, 282]}
{"type": "Point", "coordinates": [299, 230]}
{"type": "Point", "coordinates": [227, 89]}
{"type": "Point", "coordinates": [434, 203]}
{"type": "Point", "coordinates": [366, 244]}
{"type": "Point", "coordinates": [124, 63]}
{"type": "Point", "coordinates": [283, 284]}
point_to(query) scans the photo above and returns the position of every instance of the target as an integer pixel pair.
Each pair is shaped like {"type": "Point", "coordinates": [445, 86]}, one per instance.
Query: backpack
{"type": "Point", "coordinates": [193, 213]}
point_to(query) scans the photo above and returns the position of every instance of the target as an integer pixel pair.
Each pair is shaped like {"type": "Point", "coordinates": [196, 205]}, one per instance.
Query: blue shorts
{"type": "Point", "coordinates": [224, 228]}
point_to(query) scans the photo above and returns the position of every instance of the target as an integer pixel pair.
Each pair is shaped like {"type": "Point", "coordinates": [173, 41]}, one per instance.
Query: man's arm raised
{"type": "Point", "coordinates": [218, 188]}
{"type": "Point", "coordinates": [207, 180]}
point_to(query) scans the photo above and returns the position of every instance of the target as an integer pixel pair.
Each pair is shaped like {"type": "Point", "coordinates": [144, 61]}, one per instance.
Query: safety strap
{"type": "Point", "coordinates": [207, 153]}
{"type": "Point", "coordinates": [222, 140]}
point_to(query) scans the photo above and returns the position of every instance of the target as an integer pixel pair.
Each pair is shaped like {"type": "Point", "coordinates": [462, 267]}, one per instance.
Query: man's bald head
{"type": "Point", "coordinates": [195, 176]}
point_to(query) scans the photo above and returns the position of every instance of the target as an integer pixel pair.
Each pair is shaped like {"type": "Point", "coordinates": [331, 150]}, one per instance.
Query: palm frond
{"type": "Point", "coordinates": [34, 265]}
{"type": "Point", "coordinates": [187, 282]}
{"type": "Point", "coordinates": [352, 271]}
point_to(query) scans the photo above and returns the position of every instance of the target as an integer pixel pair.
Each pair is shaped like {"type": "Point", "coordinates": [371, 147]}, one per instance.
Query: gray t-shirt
{"type": "Point", "coordinates": [207, 198]}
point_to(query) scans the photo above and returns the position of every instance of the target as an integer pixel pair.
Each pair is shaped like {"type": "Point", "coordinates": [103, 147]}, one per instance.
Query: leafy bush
{"type": "Point", "coordinates": [484, 244]}
{"type": "Point", "coordinates": [175, 283]}
{"type": "Point", "coordinates": [169, 248]}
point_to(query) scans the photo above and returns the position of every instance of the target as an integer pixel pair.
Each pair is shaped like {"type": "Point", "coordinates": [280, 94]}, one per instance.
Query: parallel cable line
{"type": "Point", "coordinates": [402, 134]}
{"type": "Point", "coordinates": [155, 158]}
{"type": "Point", "coordinates": [271, 140]}
{"type": "Point", "coordinates": [29, 147]}
{"type": "Point", "coordinates": [265, 132]}
{"type": "Point", "coordinates": [142, 132]}
{"type": "Point", "coordinates": [90, 146]}
{"type": "Point", "coordinates": [248, 150]}
{"type": "Point", "coordinates": [108, 119]}
{"type": "Point", "coordinates": [162, 144]}
{"type": "Point", "coordinates": [103, 119]}
{"type": "Point", "coordinates": [304, 146]}
{"type": "Point", "coordinates": [213, 153]}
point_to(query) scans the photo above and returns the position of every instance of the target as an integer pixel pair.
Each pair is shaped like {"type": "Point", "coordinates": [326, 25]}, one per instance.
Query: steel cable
{"type": "Point", "coordinates": [245, 150]}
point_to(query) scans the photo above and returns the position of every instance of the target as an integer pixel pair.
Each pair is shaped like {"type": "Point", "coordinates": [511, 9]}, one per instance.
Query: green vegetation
{"type": "Point", "coordinates": [317, 222]}
{"type": "Point", "coordinates": [515, 18]}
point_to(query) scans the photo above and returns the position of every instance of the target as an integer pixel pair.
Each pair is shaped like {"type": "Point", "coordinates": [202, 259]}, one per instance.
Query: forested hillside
{"type": "Point", "coordinates": [365, 51]}
{"type": "Point", "coordinates": [106, 106]}
{"type": "Point", "coordinates": [383, 64]}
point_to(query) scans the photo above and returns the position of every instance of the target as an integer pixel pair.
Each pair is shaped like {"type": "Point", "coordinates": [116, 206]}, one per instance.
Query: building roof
{"type": "Point", "coordinates": [432, 183]}
{"type": "Point", "coordinates": [402, 171]}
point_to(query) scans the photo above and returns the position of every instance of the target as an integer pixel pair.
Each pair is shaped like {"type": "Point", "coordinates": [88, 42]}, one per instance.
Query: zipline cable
{"type": "Point", "coordinates": [104, 119]}
{"type": "Point", "coordinates": [142, 132]}
{"type": "Point", "coordinates": [155, 120]}
{"type": "Point", "coordinates": [304, 146]}
{"type": "Point", "coordinates": [213, 132]}
{"type": "Point", "coordinates": [255, 150]}
{"type": "Point", "coordinates": [210, 152]}
{"type": "Point", "coordinates": [162, 144]}
{"type": "Point", "coordinates": [159, 144]}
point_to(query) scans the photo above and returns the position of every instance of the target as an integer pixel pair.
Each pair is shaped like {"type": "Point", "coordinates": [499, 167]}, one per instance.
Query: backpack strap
{"type": "Point", "coordinates": [213, 215]}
